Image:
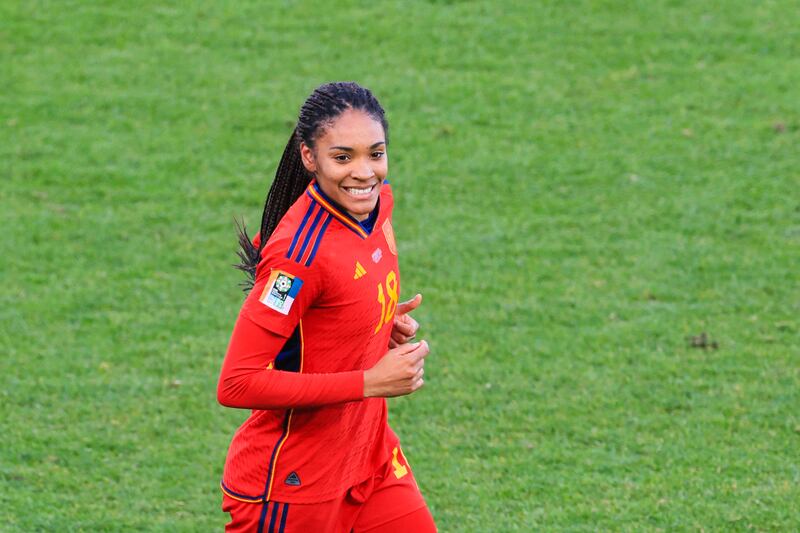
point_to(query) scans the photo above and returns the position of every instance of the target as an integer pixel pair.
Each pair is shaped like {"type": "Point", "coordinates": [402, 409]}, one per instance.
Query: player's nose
{"type": "Point", "coordinates": [363, 171]}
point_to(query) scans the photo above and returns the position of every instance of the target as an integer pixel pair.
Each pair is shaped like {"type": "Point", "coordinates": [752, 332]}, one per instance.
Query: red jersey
{"type": "Point", "coordinates": [331, 288]}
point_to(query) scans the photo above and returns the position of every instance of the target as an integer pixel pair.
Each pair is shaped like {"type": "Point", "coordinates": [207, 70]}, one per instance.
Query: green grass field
{"type": "Point", "coordinates": [581, 188]}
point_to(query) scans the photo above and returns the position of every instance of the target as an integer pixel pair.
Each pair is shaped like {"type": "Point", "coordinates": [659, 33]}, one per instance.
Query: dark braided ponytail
{"type": "Point", "coordinates": [320, 109]}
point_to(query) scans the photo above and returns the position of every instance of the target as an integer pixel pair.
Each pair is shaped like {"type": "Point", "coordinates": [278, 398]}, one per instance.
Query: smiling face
{"type": "Point", "coordinates": [349, 161]}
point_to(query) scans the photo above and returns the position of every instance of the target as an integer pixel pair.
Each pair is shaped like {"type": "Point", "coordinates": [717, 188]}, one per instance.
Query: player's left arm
{"type": "Point", "coordinates": [404, 328]}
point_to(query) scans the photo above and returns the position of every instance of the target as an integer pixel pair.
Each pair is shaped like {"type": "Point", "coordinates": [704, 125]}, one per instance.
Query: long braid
{"type": "Point", "coordinates": [291, 178]}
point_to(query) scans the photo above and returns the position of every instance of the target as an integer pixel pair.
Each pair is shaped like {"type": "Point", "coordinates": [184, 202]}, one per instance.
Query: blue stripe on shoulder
{"type": "Point", "coordinates": [318, 240]}
{"type": "Point", "coordinates": [308, 235]}
{"type": "Point", "coordinates": [302, 226]}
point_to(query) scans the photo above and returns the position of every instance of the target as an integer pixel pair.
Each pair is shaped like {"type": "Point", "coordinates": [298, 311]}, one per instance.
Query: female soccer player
{"type": "Point", "coordinates": [321, 340]}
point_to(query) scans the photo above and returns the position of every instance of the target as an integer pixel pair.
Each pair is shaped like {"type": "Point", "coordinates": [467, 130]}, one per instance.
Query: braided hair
{"type": "Point", "coordinates": [318, 112]}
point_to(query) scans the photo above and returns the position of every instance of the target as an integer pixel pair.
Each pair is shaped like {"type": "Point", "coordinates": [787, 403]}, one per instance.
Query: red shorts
{"type": "Point", "coordinates": [390, 501]}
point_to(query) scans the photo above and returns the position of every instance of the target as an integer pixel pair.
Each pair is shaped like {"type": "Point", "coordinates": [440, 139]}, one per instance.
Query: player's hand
{"type": "Point", "coordinates": [404, 327]}
{"type": "Point", "coordinates": [398, 373]}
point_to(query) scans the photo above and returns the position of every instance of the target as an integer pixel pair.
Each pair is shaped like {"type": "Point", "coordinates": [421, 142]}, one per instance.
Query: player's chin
{"type": "Point", "coordinates": [361, 207]}
{"type": "Point", "coordinates": [360, 214]}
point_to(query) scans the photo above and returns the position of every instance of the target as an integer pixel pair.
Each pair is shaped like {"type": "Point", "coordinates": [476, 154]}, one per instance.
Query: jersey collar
{"type": "Point", "coordinates": [336, 210]}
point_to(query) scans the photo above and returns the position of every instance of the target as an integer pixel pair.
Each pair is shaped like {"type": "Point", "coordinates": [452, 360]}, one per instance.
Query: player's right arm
{"type": "Point", "coordinates": [247, 380]}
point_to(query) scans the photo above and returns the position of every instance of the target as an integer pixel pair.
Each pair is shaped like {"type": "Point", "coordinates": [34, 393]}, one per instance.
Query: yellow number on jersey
{"type": "Point", "coordinates": [387, 308]}
{"type": "Point", "coordinates": [400, 470]}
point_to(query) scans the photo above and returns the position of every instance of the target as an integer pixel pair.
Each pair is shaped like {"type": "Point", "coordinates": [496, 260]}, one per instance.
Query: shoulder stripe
{"type": "Point", "coordinates": [318, 240]}
{"type": "Point", "coordinates": [309, 233]}
{"type": "Point", "coordinates": [302, 227]}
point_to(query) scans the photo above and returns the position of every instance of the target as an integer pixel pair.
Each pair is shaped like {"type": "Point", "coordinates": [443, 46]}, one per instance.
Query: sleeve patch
{"type": "Point", "coordinates": [280, 291]}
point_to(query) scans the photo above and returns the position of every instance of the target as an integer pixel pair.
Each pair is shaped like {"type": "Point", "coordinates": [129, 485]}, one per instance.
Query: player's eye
{"type": "Point", "coordinates": [342, 158]}
{"type": "Point", "coordinates": [377, 154]}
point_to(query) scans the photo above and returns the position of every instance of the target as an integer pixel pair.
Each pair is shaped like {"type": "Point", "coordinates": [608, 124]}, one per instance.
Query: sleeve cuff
{"type": "Point", "coordinates": [355, 385]}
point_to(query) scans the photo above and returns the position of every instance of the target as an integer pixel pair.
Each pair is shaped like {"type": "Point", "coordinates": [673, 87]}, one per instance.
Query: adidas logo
{"type": "Point", "coordinates": [293, 479]}
{"type": "Point", "coordinates": [360, 271]}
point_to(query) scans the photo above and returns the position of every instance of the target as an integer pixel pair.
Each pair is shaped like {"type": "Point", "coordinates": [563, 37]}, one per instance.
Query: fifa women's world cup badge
{"type": "Point", "coordinates": [280, 291]}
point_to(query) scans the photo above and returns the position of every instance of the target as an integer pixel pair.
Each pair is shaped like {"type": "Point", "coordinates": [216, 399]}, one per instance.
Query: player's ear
{"type": "Point", "coordinates": [307, 155]}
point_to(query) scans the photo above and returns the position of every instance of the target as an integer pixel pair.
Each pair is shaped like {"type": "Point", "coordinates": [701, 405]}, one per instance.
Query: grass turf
{"type": "Point", "coordinates": [581, 188]}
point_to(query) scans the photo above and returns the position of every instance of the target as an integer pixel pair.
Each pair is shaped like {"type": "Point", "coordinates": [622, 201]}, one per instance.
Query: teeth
{"type": "Point", "coordinates": [359, 191]}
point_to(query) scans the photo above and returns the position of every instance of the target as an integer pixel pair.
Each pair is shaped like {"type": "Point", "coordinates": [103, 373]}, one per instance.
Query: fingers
{"type": "Point", "coordinates": [420, 351]}
{"type": "Point", "coordinates": [404, 330]}
{"type": "Point", "coordinates": [400, 338]}
{"type": "Point", "coordinates": [399, 372]}
{"type": "Point", "coordinates": [418, 381]}
{"type": "Point", "coordinates": [405, 325]}
{"type": "Point", "coordinates": [406, 348]}
{"type": "Point", "coordinates": [410, 305]}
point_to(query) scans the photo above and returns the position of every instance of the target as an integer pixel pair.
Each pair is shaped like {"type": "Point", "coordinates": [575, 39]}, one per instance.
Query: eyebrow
{"type": "Point", "coordinates": [348, 149]}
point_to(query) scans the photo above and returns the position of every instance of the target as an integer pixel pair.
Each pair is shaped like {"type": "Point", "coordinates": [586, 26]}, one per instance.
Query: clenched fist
{"type": "Point", "coordinates": [398, 373]}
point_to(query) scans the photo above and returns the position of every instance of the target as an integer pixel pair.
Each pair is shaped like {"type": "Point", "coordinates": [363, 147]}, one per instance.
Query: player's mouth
{"type": "Point", "coordinates": [359, 192]}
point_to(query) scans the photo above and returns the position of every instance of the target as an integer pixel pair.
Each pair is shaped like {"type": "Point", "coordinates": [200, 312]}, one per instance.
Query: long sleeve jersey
{"type": "Point", "coordinates": [319, 314]}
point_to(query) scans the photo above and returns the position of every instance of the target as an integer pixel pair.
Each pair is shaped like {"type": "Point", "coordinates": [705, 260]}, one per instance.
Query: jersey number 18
{"type": "Point", "coordinates": [387, 307]}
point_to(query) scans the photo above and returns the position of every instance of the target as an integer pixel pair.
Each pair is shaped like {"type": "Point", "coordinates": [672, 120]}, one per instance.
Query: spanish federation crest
{"type": "Point", "coordinates": [388, 232]}
{"type": "Point", "coordinates": [280, 291]}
